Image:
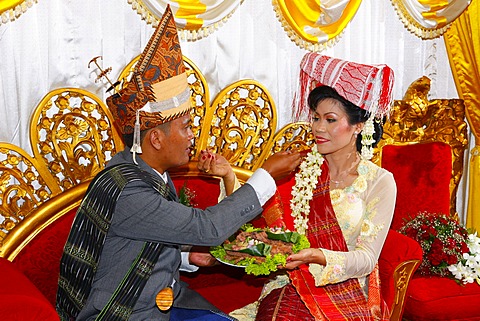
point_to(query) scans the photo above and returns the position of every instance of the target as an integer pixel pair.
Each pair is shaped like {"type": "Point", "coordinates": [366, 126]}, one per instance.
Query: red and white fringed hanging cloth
{"type": "Point", "coordinates": [368, 86]}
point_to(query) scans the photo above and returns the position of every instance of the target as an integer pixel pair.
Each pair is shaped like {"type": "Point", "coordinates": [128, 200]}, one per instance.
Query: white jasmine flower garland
{"type": "Point", "coordinates": [305, 182]}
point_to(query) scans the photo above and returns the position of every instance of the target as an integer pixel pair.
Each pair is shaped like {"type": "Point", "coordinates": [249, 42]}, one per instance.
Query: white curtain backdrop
{"type": "Point", "coordinates": [51, 44]}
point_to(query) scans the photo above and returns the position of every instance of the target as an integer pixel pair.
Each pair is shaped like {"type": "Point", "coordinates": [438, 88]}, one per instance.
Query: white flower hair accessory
{"type": "Point", "coordinates": [367, 138]}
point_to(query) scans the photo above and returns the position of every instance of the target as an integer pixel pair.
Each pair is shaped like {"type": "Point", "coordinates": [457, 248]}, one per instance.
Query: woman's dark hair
{"type": "Point", "coordinates": [354, 113]}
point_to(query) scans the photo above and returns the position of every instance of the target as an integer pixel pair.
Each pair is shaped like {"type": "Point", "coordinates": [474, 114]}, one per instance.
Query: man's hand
{"type": "Point", "coordinates": [281, 164]}
{"type": "Point", "coordinates": [201, 257]}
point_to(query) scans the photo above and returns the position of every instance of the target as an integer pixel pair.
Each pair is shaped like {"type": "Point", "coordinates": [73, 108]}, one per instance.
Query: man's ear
{"type": "Point", "coordinates": [156, 138]}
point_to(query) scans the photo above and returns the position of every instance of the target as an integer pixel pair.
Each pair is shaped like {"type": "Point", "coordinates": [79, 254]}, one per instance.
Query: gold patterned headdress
{"type": "Point", "coordinates": [158, 91]}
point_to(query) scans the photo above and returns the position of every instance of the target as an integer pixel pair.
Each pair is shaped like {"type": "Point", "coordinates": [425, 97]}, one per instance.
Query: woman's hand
{"type": "Point", "coordinates": [305, 256]}
{"type": "Point", "coordinates": [214, 164]}
{"type": "Point", "coordinates": [217, 165]}
{"type": "Point", "coordinates": [281, 164]}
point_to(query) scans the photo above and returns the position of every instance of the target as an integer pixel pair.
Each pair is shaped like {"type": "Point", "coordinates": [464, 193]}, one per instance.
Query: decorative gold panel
{"type": "Point", "coordinates": [243, 123]}
{"type": "Point", "coordinates": [239, 123]}
{"type": "Point", "coordinates": [72, 138]}
{"type": "Point", "coordinates": [401, 277]}
{"type": "Point", "coordinates": [296, 136]}
{"type": "Point", "coordinates": [415, 119]}
{"type": "Point", "coordinates": [72, 132]}
{"type": "Point", "coordinates": [24, 185]}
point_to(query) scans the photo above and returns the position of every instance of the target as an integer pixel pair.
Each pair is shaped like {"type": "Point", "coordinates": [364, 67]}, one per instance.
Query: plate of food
{"type": "Point", "coordinates": [259, 250]}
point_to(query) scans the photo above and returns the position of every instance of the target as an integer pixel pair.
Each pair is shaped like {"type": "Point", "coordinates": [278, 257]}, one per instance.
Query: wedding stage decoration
{"type": "Point", "coordinates": [429, 19]}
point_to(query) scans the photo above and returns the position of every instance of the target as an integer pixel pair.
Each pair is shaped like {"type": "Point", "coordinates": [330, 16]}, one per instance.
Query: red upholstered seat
{"type": "Point", "coordinates": [39, 260]}
{"type": "Point", "coordinates": [422, 173]}
{"type": "Point", "coordinates": [206, 189]}
{"type": "Point", "coordinates": [228, 288]}
{"type": "Point", "coordinates": [21, 300]}
{"type": "Point", "coordinates": [396, 250]}
{"type": "Point", "coordinates": [437, 298]}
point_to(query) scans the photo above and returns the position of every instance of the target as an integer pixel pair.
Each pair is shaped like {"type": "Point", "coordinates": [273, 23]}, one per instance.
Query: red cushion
{"type": "Point", "coordinates": [228, 288]}
{"type": "Point", "coordinates": [39, 260]}
{"type": "Point", "coordinates": [20, 300]}
{"type": "Point", "coordinates": [398, 248]}
{"type": "Point", "coordinates": [422, 173]}
{"type": "Point", "coordinates": [437, 298]}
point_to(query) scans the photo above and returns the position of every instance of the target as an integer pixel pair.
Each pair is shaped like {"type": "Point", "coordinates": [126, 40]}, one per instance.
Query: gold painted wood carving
{"type": "Point", "coordinates": [416, 119]}
{"type": "Point", "coordinates": [242, 123]}
{"type": "Point", "coordinates": [401, 276]}
{"type": "Point", "coordinates": [72, 137]}
{"type": "Point", "coordinates": [293, 136]}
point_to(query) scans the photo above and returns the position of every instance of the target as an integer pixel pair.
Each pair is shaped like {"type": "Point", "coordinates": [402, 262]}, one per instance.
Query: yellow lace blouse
{"type": "Point", "coordinates": [364, 211]}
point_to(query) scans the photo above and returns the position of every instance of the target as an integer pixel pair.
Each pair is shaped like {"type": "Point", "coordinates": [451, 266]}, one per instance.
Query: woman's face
{"type": "Point", "coordinates": [333, 133]}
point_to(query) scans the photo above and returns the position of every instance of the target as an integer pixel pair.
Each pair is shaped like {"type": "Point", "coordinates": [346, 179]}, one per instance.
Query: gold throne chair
{"type": "Point", "coordinates": [72, 138]}
{"type": "Point", "coordinates": [424, 146]}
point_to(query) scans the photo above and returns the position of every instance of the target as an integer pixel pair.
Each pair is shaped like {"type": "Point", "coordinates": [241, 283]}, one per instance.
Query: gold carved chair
{"type": "Point", "coordinates": [73, 137]}
{"type": "Point", "coordinates": [424, 145]}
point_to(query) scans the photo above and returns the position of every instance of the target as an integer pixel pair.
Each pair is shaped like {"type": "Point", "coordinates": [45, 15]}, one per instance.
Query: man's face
{"type": "Point", "coordinates": [177, 143]}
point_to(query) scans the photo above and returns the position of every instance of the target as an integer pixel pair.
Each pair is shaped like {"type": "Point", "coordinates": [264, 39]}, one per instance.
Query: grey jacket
{"type": "Point", "coordinates": [141, 214]}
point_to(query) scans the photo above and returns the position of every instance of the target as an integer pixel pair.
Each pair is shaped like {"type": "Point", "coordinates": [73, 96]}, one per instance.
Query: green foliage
{"type": "Point", "coordinates": [271, 263]}
{"type": "Point", "coordinates": [186, 196]}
